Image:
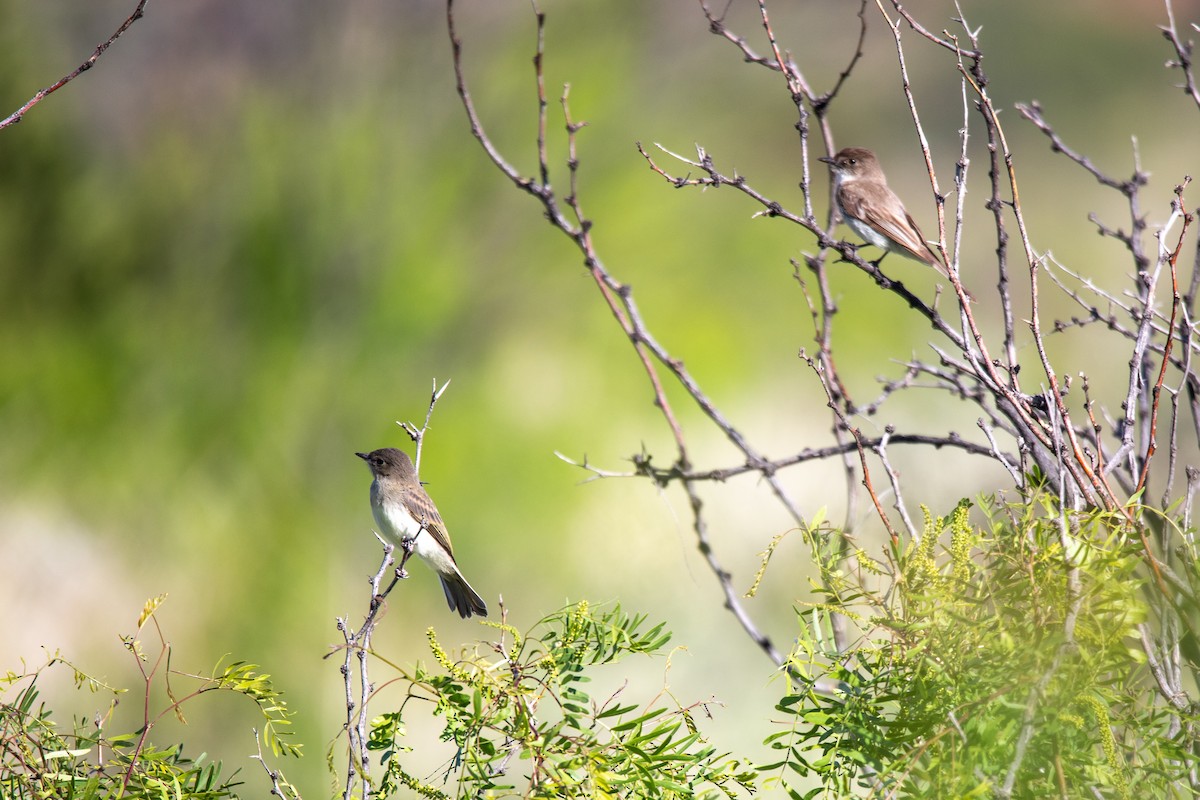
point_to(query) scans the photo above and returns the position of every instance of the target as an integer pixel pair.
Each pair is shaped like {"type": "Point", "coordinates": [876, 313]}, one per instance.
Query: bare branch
{"type": "Point", "coordinates": [1183, 54]}
{"type": "Point", "coordinates": [947, 43]}
{"type": "Point", "coordinates": [19, 114]}
{"type": "Point", "coordinates": [418, 434]}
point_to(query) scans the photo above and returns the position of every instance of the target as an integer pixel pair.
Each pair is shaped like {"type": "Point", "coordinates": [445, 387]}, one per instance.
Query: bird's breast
{"type": "Point", "coordinates": [395, 522]}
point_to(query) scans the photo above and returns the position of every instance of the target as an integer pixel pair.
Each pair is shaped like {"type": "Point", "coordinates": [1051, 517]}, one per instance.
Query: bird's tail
{"type": "Point", "coordinates": [461, 597]}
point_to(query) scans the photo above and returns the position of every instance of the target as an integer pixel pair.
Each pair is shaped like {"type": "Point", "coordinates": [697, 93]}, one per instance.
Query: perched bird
{"type": "Point", "coordinates": [407, 517]}
{"type": "Point", "coordinates": [872, 209]}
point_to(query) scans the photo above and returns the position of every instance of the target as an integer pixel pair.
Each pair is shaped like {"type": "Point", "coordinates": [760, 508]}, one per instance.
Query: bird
{"type": "Point", "coordinates": [872, 209]}
{"type": "Point", "coordinates": [407, 517]}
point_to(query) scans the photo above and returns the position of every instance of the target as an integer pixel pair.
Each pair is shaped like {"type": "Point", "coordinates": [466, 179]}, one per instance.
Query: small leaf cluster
{"type": "Point", "coordinates": [525, 724]}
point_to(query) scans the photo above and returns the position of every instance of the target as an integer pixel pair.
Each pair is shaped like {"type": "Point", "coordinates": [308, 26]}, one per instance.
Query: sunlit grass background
{"type": "Point", "coordinates": [248, 241]}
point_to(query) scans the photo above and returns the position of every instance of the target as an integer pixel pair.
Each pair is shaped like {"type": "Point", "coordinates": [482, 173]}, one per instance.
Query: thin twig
{"type": "Point", "coordinates": [894, 479]}
{"type": "Point", "coordinates": [1172, 259]}
{"type": "Point", "coordinates": [279, 785]}
{"type": "Point", "coordinates": [1183, 55]}
{"type": "Point", "coordinates": [19, 114]}
{"type": "Point", "coordinates": [418, 434]}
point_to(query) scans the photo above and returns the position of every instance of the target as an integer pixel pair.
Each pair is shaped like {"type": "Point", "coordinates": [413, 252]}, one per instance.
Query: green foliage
{"type": "Point", "coordinates": [525, 725]}
{"type": "Point", "coordinates": [39, 758]}
{"type": "Point", "coordinates": [1000, 661]}
{"type": "Point", "coordinates": [990, 660]}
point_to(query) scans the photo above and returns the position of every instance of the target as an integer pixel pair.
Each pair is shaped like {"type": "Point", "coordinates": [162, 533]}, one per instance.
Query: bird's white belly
{"type": "Point", "coordinates": [869, 234]}
{"type": "Point", "coordinates": [396, 523]}
{"type": "Point", "coordinates": [398, 526]}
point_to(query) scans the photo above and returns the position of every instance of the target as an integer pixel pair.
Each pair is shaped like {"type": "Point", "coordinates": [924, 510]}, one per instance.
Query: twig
{"type": "Point", "coordinates": [1014, 473]}
{"type": "Point", "coordinates": [881, 451]}
{"type": "Point", "coordinates": [946, 43]}
{"type": "Point", "coordinates": [418, 434]}
{"type": "Point", "coordinates": [645, 468]}
{"type": "Point", "coordinates": [279, 785]}
{"type": "Point", "coordinates": [862, 455]}
{"type": "Point", "coordinates": [1171, 259]}
{"type": "Point", "coordinates": [19, 114]}
{"type": "Point", "coordinates": [1183, 54]}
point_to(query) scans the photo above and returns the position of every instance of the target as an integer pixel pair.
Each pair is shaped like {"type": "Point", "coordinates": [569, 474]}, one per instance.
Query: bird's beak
{"type": "Point", "coordinates": [363, 456]}
{"type": "Point", "coordinates": [826, 159]}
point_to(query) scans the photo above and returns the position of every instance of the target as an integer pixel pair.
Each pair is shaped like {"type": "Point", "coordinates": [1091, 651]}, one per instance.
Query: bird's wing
{"type": "Point", "coordinates": [922, 251]}
{"type": "Point", "coordinates": [422, 509]}
{"type": "Point", "coordinates": [890, 216]}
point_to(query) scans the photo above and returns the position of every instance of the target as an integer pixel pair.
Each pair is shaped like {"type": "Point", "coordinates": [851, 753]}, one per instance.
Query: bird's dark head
{"type": "Point", "coordinates": [853, 161]}
{"type": "Point", "coordinates": [389, 462]}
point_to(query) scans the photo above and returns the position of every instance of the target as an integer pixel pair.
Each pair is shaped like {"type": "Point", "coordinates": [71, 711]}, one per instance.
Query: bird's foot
{"type": "Point", "coordinates": [407, 546]}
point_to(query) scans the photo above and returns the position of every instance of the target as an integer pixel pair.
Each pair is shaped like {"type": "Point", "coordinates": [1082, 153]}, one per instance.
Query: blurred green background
{"type": "Point", "coordinates": [246, 243]}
